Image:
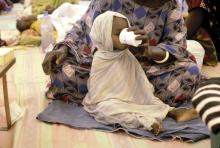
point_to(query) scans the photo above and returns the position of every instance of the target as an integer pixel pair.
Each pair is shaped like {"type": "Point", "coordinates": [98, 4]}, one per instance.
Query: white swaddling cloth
{"type": "Point", "coordinates": [118, 89]}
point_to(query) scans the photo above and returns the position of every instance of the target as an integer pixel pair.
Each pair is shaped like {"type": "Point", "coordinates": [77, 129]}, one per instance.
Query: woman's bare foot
{"type": "Point", "coordinates": [156, 128]}
{"type": "Point", "coordinates": [183, 114]}
{"type": "Point", "coordinates": [50, 93]}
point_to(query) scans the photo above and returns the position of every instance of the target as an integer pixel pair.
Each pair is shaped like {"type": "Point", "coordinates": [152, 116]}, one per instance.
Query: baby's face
{"type": "Point", "coordinates": [118, 25]}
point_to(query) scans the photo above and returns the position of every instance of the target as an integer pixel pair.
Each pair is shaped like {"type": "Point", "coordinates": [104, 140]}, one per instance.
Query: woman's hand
{"type": "Point", "coordinates": [142, 35]}
{"type": "Point", "coordinates": [155, 54]}
{"type": "Point", "coordinates": [54, 57]}
{"type": "Point", "coordinates": [141, 32]}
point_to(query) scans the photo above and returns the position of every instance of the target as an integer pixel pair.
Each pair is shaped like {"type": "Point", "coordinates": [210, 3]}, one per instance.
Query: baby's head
{"type": "Point", "coordinates": [106, 30]}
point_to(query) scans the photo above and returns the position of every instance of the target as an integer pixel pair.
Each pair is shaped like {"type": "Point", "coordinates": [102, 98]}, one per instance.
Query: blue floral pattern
{"type": "Point", "coordinates": [174, 82]}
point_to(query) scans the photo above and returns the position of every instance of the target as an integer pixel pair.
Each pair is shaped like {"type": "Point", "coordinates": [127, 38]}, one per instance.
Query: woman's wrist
{"type": "Point", "coordinates": [148, 53]}
{"type": "Point", "coordinates": [164, 59]}
{"type": "Point", "coordinates": [157, 55]}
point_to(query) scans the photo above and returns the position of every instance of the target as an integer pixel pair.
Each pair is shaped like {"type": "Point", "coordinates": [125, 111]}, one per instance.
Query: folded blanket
{"type": "Point", "coordinates": [75, 116]}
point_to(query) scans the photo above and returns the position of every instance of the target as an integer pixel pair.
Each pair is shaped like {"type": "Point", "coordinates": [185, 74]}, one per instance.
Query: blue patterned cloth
{"type": "Point", "coordinates": [175, 82]}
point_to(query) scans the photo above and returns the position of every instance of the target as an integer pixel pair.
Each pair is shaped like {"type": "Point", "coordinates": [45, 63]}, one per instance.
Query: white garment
{"type": "Point", "coordinates": [118, 89]}
{"type": "Point", "coordinates": [196, 49]}
{"type": "Point", "coordinates": [65, 16]}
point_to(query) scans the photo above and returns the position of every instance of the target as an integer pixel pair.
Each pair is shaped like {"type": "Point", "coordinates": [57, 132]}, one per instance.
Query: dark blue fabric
{"type": "Point", "coordinates": [75, 116]}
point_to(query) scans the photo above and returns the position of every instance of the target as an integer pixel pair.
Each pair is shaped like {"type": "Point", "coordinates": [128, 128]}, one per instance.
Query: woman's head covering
{"type": "Point", "coordinates": [101, 31]}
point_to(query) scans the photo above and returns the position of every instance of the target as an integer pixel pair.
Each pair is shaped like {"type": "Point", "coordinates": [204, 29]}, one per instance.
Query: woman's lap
{"type": "Point", "coordinates": [68, 81]}
{"type": "Point", "coordinates": [176, 87]}
{"type": "Point", "coordinates": [173, 88]}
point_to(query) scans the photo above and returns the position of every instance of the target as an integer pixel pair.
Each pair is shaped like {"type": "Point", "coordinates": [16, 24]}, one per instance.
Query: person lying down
{"type": "Point", "coordinates": [118, 89]}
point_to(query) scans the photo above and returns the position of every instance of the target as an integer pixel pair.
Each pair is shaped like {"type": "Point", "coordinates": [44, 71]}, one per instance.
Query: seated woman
{"type": "Point", "coordinates": [212, 24]}
{"type": "Point", "coordinates": [202, 26]}
{"type": "Point", "coordinates": [159, 22]}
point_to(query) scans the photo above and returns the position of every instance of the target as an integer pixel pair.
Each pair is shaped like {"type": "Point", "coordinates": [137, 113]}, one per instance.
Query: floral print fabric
{"type": "Point", "coordinates": [174, 82]}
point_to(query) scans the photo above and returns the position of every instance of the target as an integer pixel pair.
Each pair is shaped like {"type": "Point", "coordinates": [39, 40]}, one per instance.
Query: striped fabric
{"type": "Point", "coordinates": [207, 103]}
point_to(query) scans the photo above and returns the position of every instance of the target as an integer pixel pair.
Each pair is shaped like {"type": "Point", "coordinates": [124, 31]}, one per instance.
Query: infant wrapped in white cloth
{"type": "Point", "coordinates": [118, 89]}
